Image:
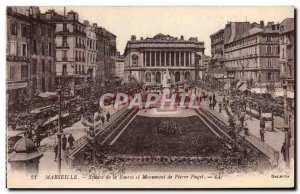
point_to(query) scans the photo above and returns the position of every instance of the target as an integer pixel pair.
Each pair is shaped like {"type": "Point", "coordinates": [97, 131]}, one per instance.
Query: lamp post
{"type": "Point", "coordinates": [59, 132]}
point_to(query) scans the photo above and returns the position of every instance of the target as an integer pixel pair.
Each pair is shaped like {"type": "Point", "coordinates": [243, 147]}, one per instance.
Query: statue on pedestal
{"type": "Point", "coordinates": [166, 79]}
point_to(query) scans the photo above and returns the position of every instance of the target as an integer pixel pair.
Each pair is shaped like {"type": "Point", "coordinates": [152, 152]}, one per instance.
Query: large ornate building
{"type": "Point", "coordinates": [147, 59]}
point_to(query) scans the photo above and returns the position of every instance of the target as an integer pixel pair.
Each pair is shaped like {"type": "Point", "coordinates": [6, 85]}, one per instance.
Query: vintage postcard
{"type": "Point", "coordinates": [150, 97]}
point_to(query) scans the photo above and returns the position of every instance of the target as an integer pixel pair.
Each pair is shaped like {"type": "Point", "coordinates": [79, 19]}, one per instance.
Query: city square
{"type": "Point", "coordinates": [76, 104]}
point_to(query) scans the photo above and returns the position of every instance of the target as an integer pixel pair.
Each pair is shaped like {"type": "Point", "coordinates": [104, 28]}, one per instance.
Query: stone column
{"type": "Point", "coordinates": [180, 64]}
{"type": "Point", "coordinates": [145, 58]}
{"type": "Point", "coordinates": [193, 59]}
{"type": "Point", "coordinates": [174, 58]}
{"type": "Point", "coordinates": [165, 58]}
{"type": "Point", "coordinates": [189, 59]}
{"type": "Point", "coordinates": [155, 59]}
{"type": "Point", "coordinates": [150, 58]}
{"type": "Point", "coordinates": [184, 58]}
{"type": "Point", "coordinates": [159, 58]}
{"type": "Point", "coordinates": [170, 61]}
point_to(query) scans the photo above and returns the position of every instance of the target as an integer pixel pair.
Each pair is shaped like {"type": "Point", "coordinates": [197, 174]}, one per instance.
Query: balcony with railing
{"type": "Point", "coordinates": [64, 58]}
{"type": "Point", "coordinates": [17, 58]}
{"type": "Point", "coordinates": [64, 45]}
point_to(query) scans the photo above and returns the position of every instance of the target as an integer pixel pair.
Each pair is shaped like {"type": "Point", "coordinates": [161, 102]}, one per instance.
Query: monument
{"type": "Point", "coordinates": [166, 84]}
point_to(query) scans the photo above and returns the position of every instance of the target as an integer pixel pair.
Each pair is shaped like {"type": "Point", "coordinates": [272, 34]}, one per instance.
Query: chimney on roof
{"type": "Point", "coordinates": [142, 38]}
{"type": "Point", "coordinates": [86, 23]}
{"type": "Point", "coordinates": [95, 25]}
{"type": "Point", "coordinates": [270, 24]}
{"type": "Point", "coordinates": [262, 24]}
{"type": "Point", "coordinates": [133, 37]}
{"type": "Point", "coordinates": [181, 37]}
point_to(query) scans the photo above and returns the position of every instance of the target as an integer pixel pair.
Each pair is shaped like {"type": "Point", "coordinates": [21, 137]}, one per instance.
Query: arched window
{"type": "Point", "coordinates": [187, 75]}
{"type": "Point", "coordinates": [135, 59]}
{"type": "Point", "coordinates": [158, 77]}
{"type": "Point", "coordinates": [177, 77]}
{"type": "Point", "coordinates": [148, 77]}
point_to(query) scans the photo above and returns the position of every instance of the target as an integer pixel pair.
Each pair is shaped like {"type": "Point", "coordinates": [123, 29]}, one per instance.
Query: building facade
{"type": "Point", "coordinates": [287, 50]}
{"type": "Point", "coordinates": [106, 49]}
{"type": "Point", "coordinates": [119, 65]}
{"type": "Point", "coordinates": [91, 49]}
{"type": "Point", "coordinates": [147, 59]}
{"type": "Point", "coordinates": [71, 49]}
{"type": "Point", "coordinates": [254, 55]}
{"type": "Point", "coordinates": [30, 52]}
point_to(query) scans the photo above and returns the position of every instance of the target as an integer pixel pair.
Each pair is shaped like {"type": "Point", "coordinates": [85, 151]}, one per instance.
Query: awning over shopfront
{"type": "Point", "coordinates": [55, 118]}
{"type": "Point", "coordinates": [243, 87]}
{"type": "Point", "coordinates": [227, 86]}
{"type": "Point", "coordinates": [11, 133]}
{"type": "Point", "coordinates": [279, 93]}
{"type": "Point", "coordinates": [258, 90]}
{"type": "Point", "coordinates": [47, 94]}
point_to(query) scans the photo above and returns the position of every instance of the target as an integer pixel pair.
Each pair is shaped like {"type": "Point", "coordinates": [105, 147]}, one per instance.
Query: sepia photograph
{"type": "Point", "coordinates": [157, 97]}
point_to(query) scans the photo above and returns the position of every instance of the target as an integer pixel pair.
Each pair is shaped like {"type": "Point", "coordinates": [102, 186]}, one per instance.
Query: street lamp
{"type": "Point", "coordinates": [59, 132]}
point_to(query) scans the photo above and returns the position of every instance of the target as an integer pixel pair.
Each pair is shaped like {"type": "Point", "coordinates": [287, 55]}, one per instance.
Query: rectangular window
{"type": "Point", "coordinates": [43, 85]}
{"type": "Point", "coordinates": [43, 48]}
{"type": "Point", "coordinates": [43, 65]}
{"type": "Point", "coordinates": [64, 69]}
{"type": "Point", "coordinates": [12, 72]}
{"type": "Point", "coordinates": [49, 84]}
{"type": "Point", "coordinates": [13, 48]}
{"type": "Point", "coordinates": [24, 31]}
{"type": "Point", "coordinates": [24, 72]}
{"type": "Point", "coordinates": [50, 49]}
{"type": "Point", "coordinates": [34, 46]}
{"type": "Point", "coordinates": [64, 41]}
{"type": "Point", "coordinates": [64, 57]}
{"type": "Point", "coordinates": [34, 66]}
{"type": "Point", "coordinates": [34, 83]}
{"type": "Point", "coordinates": [24, 50]}
{"type": "Point", "coordinates": [50, 66]}
{"type": "Point", "coordinates": [268, 49]}
{"type": "Point", "coordinates": [13, 28]}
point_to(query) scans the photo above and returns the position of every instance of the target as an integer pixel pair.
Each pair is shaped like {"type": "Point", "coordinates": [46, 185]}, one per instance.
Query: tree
{"type": "Point", "coordinates": [28, 97]}
{"type": "Point", "coordinates": [90, 105]}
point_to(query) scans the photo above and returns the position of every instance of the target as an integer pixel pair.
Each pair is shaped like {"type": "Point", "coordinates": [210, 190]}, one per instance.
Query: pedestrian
{"type": "Point", "coordinates": [283, 151]}
{"type": "Point", "coordinates": [71, 141]}
{"type": "Point", "coordinates": [262, 135]}
{"type": "Point", "coordinates": [214, 97]}
{"type": "Point", "coordinates": [55, 151]}
{"type": "Point", "coordinates": [102, 120]}
{"type": "Point", "coordinates": [246, 129]}
{"type": "Point", "coordinates": [209, 100]}
{"type": "Point", "coordinates": [38, 140]}
{"type": "Point", "coordinates": [107, 116]}
{"type": "Point", "coordinates": [227, 101]}
{"type": "Point", "coordinates": [64, 142]}
{"type": "Point", "coordinates": [220, 107]}
{"type": "Point", "coordinates": [214, 103]}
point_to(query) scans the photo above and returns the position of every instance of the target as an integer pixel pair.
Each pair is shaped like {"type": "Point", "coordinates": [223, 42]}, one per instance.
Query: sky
{"type": "Point", "coordinates": [198, 22]}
